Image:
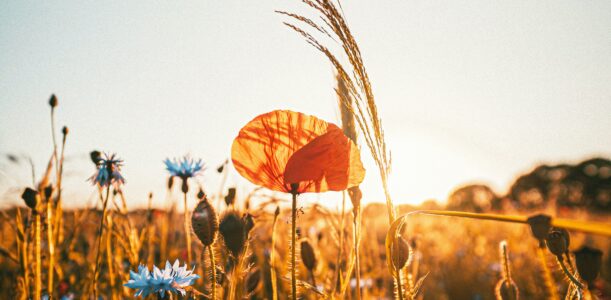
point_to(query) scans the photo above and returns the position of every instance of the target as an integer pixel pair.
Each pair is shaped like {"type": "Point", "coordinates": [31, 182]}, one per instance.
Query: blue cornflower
{"type": "Point", "coordinates": [173, 278]}
{"type": "Point", "coordinates": [108, 171]}
{"type": "Point", "coordinates": [184, 168]}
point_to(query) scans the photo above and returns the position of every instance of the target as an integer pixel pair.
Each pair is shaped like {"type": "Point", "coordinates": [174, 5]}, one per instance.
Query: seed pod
{"type": "Point", "coordinates": [230, 198]}
{"type": "Point", "coordinates": [252, 281]}
{"type": "Point", "coordinates": [205, 222]}
{"type": "Point", "coordinates": [95, 156]}
{"type": "Point", "coordinates": [506, 290]}
{"type": "Point", "coordinates": [48, 191]}
{"type": "Point", "coordinates": [30, 197]}
{"type": "Point", "coordinates": [249, 223]}
{"type": "Point", "coordinates": [588, 261]}
{"type": "Point", "coordinates": [277, 211]}
{"type": "Point", "coordinates": [65, 130]}
{"type": "Point", "coordinates": [170, 182]}
{"type": "Point", "coordinates": [556, 244]}
{"type": "Point", "coordinates": [400, 252]}
{"type": "Point", "coordinates": [232, 230]}
{"type": "Point", "coordinates": [308, 257]}
{"type": "Point", "coordinates": [53, 101]}
{"type": "Point", "coordinates": [565, 235]}
{"type": "Point", "coordinates": [540, 226]}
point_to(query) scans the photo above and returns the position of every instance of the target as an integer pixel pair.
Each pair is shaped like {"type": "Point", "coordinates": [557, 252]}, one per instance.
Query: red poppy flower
{"type": "Point", "coordinates": [283, 147]}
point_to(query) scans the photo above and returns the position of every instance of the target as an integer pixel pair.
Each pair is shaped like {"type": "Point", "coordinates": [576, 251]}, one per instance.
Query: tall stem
{"type": "Point", "coordinates": [213, 267]}
{"type": "Point", "coordinates": [548, 279]}
{"type": "Point", "coordinates": [293, 246]}
{"type": "Point", "coordinates": [97, 255]}
{"type": "Point", "coordinates": [399, 284]}
{"type": "Point", "coordinates": [187, 230]}
{"type": "Point", "coordinates": [357, 238]}
{"type": "Point", "coordinates": [109, 258]}
{"type": "Point", "coordinates": [272, 257]}
{"type": "Point", "coordinates": [51, 245]}
{"type": "Point", "coordinates": [38, 277]}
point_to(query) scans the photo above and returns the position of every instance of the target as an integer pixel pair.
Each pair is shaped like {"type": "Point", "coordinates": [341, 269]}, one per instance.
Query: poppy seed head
{"type": "Point", "coordinates": [205, 222]}
{"type": "Point", "coordinates": [400, 252]}
{"type": "Point", "coordinates": [588, 261]}
{"type": "Point", "coordinates": [308, 257]}
{"type": "Point", "coordinates": [232, 230]}
{"type": "Point", "coordinates": [556, 243]}
{"type": "Point", "coordinates": [540, 226]}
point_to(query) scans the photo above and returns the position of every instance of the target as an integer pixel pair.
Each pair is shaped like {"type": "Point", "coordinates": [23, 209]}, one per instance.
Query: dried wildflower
{"type": "Point", "coordinates": [230, 198]}
{"type": "Point", "coordinates": [109, 171]}
{"type": "Point", "coordinates": [205, 222]}
{"type": "Point", "coordinates": [556, 243]}
{"type": "Point", "coordinates": [30, 197]}
{"type": "Point", "coordinates": [588, 261]}
{"type": "Point", "coordinates": [400, 252]}
{"type": "Point", "coordinates": [232, 229]}
{"type": "Point", "coordinates": [308, 257]}
{"type": "Point", "coordinates": [173, 279]}
{"type": "Point", "coordinates": [540, 226]}
{"type": "Point", "coordinates": [184, 168]}
{"type": "Point", "coordinates": [53, 101]}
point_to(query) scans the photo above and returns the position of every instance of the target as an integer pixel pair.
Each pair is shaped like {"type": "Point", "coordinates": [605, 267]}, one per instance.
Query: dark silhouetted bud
{"type": "Point", "coordinates": [556, 243]}
{"type": "Point", "coordinates": [185, 186]}
{"type": "Point", "coordinates": [65, 130]}
{"type": "Point", "coordinates": [308, 257]}
{"type": "Point", "coordinates": [277, 212]}
{"type": "Point", "coordinates": [53, 101]}
{"type": "Point", "coordinates": [249, 223]}
{"type": "Point", "coordinates": [507, 290]}
{"type": "Point", "coordinates": [170, 182]}
{"type": "Point", "coordinates": [399, 252]}
{"type": "Point", "coordinates": [565, 235]}
{"type": "Point", "coordinates": [220, 168]}
{"type": "Point", "coordinates": [30, 197]}
{"type": "Point", "coordinates": [201, 195]}
{"type": "Point", "coordinates": [95, 156]}
{"type": "Point", "coordinates": [48, 191]}
{"type": "Point", "coordinates": [205, 222]}
{"type": "Point", "coordinates": [230, 198]}
{"type": "Point", "coordinates": [540, 226]}
{"type": "Point", "coordinates": [588, 261]}
{"type": "Point", "coordinates": [252, 281]}
{"type": "Point", "coordinates": [232, 230]}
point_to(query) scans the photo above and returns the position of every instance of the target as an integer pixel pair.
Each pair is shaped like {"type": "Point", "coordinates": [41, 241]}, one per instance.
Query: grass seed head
{"type": "Point", "coordinates": [308, 257]}
{"type": "Point", "coordinates": [588, 261]}
{"type": "Point", "coordinates": [205, 222]}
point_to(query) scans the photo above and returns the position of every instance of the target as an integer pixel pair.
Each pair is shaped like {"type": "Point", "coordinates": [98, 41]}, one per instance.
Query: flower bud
{"type": "Point", "coordinates": [170, 182]}
{"type": "Point", "coordinates": [48, 191]}
{"type": "Point", "coordinates": [205, 222]}
{"type": "Point", "coordinates": [506, 290]}
{"type": "Point", "coordinates": [249, 223]}
{"type": "Point", "coordinates": [556, 243]}
{"type": "Point", "coordinates": [201, 195]}
{"type": "Point", "coordinates": [540, 226]}
{"type": "Point", "coordinates": [65, 130]}
{"type": "Point", "coordinates": [232, 230]}
{"type": "Point", "coordinates": [308, 257]}
{"type": "Point", "coordinates": [400, 252]}
{"type": "Point", "coordinates": [53, 101]}
{"type": "Point", "coordinates": [95, 156]}
{"type": "Point", "coordinates": [230, 198]}
{"type": "Point", "coordinates": [30, 197]}
{"type": "Point", "coordinates": [588, 261]}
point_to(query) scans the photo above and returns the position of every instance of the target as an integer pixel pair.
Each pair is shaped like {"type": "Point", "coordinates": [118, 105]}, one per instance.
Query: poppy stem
{"type": "Point", "coordinates": [272, 257]}
{"type": "Point", "coordinates": [213, 269]}
{"type": "Point", "coordinates": [293, 242]}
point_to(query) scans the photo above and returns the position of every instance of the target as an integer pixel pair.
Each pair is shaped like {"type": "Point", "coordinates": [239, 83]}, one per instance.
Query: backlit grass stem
{"type": "Point", "coordinates": [97, 256]}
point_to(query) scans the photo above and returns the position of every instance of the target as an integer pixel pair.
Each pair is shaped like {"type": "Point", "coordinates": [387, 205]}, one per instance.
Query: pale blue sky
{"type": "Point", "coordinates": [469, 91]}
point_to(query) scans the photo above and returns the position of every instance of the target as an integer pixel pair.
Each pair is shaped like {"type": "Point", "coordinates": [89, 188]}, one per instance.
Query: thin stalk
{"type": "Point", "coordinates": [293, 246]}
{"type": "Point", "coordinates": [38, 266]}
{"type": "Point", "coordinates": [97, 255]}
{"type": "Point", "coordinates": [568, 274]}
{"type": "Point", "coordinates": [213, 267]}
{"type": "Point", "coordinates": [547, 275]}
{"type": "Point", "coordinates": [51, 247]}
{"type": "Point", "coordinates": [357, 239]}
{"type": "Point", "coordinates": [341, 242]}
{"type": "Point", "coordinates": [109, 256]}
{"type": "Point", "coordinates": [272, 260]}
{"type": "Point", "coordinates": [188, 230]}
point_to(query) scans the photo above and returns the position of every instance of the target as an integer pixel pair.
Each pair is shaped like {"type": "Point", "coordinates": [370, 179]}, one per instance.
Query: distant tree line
{"type": "Point", "coordinates": [586, 185]}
